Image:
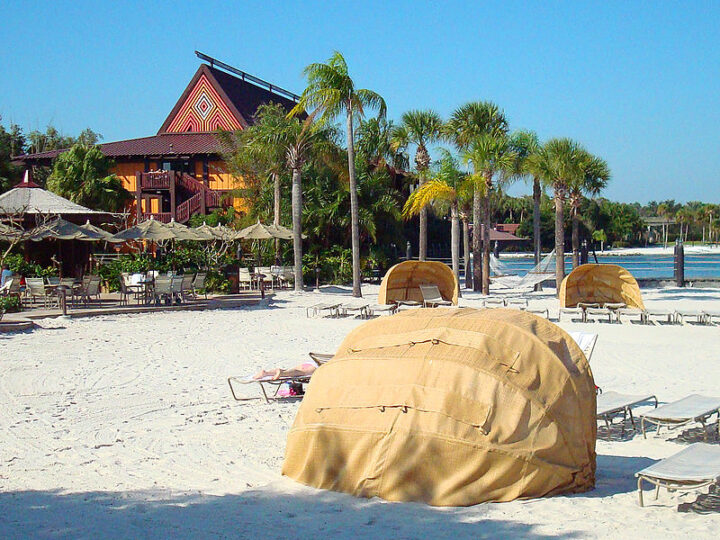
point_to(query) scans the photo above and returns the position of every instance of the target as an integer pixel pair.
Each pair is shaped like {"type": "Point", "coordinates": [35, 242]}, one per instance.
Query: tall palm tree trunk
{"type": "Point", "coordinates": [455, 239]}
{"type": "Point", "coordinates": [575, 237]}
{"type": "Point", "coordinates": [422, 244]}
{"type": "Point", "coordinates": [297, 226]}
{"type": "Point", "coordinates": [486, 243]}
{"type": "Point", "coordinates": [477, 241]}
{"type": "Point", "coordinates": [559, 239]}
{"type": "Point", "coordinates": [536, 220]}
{"type": "Point", "coordinates": [354, 214]}
{"type": "Point", "coordinates": [466, 253]}
{"type": "Point", "coordinates": [276, 212]}
{"type": "Point", "coordinates": [536, 225]}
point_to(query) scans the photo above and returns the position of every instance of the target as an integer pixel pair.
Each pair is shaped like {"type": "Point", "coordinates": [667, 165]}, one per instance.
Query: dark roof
{"type": "Point", "coordinates": [241, 96]}
{"type": "Point", "coordinates": [166, 144]}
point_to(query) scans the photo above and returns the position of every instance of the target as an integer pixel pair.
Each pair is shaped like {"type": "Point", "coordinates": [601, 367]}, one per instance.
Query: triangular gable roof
{"type": "Point", "coordinates": [216, 100]}
{"type": "Point", "coordinates": [39, 201]}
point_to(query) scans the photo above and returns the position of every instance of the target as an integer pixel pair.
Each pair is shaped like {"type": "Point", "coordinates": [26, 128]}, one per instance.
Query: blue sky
{"type": "Point", "coordinates": [637, 83]}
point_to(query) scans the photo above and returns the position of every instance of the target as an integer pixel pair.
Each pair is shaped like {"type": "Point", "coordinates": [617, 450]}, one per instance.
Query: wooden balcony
{"type": "Point", "coordinates": [163, 217]}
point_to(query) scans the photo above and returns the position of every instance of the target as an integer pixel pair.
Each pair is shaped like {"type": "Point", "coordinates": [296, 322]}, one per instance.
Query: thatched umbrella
{"type": "Point", "coordinates": [106, 236]}
{"type": "Point", "coordinates": [64, 230]}
{"type": "Point", "coordinates": [151, 230]}
{"type": "Point", "coordinates": [184, 232]}
{"type": "Point", "coordinates": [258, 231]}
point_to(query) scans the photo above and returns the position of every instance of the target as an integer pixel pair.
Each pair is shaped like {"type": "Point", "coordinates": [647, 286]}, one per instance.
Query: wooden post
{"type": "Point", "coordinates": [679, 263]}
{"type": "Point", "coordinates": [408, 251]}
{"type": "Point", "coordinates": [173, 206]}
{"type": "Point", "coordinates": [138, 195]}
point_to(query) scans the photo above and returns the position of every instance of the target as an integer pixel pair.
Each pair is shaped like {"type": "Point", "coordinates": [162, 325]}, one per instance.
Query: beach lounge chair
{"type": "Point", "coordinates": [711, 316]}
{"type": "Point", "coordinates": [657, 315]}
{"type": "Point", "coordinates": [490, 303]}
{"type": "Point", "coordinates": [432, 297]}
{"type": "Point", "coordinates": [586, 342]}
{"type": "Point", "coordinates": [544, 312]}
{"type": "Point", "coordinates": [580, 312]}
{"type": "Point", "coordinates": [320, 358]}
{"type": "Point", "coordinates": [682, 314]}
{"type": "Point", "coordinates": [377, 309]}
{"type": "Point", "coordinates": [612, 404]}
{"type": "Point", "coordinates": [517, 303]}
{"type": "Point", "coordinates": [269, 387]}
{"type": "Point", "coordinates": [693, 408]}
{"type": "Point", "coordinates": [630, 313]}
{"type": "Point", "coordinates": [317, 309]}
{"type": "Point", "coordinates": [359, 310]}
{"type": "Point", "coordinates": [692, 468]}
{"type": "Point", "coordinates": [601, 313]}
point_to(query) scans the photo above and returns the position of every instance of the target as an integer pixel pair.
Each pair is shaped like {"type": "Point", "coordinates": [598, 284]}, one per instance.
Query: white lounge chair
{"type": "Point", "coordinates": [376, 309]}
{"type": "Point", "coordinates": [571, 311]}
{"type": "Point", "coordinates": [586, 342]}
{"type": "Point", "coordinates": [601, 313]}
{"type": "Point", "coordinates": [544, 312]}
{"type": "Point", "coordinates": [490, 303]}
{"type": "Point", "coordinates": [692, 468]}
{"type": "Point", "coordinates": [652, 315]}
{"type": "Point", "coordinates": [517, 303]}
{"type": "Point", "coordinates": [360, 310]}
{"type": "Point", "coordinates": [612, 404]}
{"type": "Point", "coordinates": [710, 315]}
{"type": "Point", "coordinates": [271, 383]}
{"type": "Point", "coordinates": [432, 297]}
{"type": "Point", "coordinates": [693, 408]}
{"type": "Point", "coordinates": [682, 314]}
{"type": "Point", "coordinates": [317, 309]}
{"type": "Point", "coordinates": [630, 313]}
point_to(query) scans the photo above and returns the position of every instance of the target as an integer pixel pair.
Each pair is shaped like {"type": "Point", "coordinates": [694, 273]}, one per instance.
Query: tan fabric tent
{"type": "Point", "coordinates": [451, 407]}
{"type": "Point", "coordinates": [600, 283]}
{"type": "Point", "coordinates": [402, 281]}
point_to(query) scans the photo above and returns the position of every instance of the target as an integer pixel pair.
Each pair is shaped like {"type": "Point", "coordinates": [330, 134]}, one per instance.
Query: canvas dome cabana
{"type": "Point", "coordinates": [601, 284]}
{"type": "Point", "coordinates": [451, 407]}
{"type": "Point", "coordinates": [402, 282]}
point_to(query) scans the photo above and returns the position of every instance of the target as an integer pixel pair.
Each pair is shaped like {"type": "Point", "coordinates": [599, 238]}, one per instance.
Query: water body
{"type": "Point", "coordinates": [641, 266]}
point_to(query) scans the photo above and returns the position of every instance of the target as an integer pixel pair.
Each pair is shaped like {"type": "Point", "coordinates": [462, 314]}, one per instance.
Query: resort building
{"type": "Point", "coordinates": [180, 171]}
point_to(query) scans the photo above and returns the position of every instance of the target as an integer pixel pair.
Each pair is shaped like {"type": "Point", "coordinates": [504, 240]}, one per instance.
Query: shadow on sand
{"type": "Point", "coordinates": [261, 513]}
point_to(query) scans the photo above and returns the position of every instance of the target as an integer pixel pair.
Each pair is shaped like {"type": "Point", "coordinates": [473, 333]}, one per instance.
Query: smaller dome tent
{"type": "Point", "coordinates": [402, 281]}
{"type": "Point", "coordinates": [601, 284]}
{"type": "Point", "coordinates": [451, 407]}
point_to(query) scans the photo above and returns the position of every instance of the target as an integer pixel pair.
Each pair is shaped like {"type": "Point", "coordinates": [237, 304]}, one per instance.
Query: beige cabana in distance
{"type": "Point", "coordinates": [601, 284]}
{"type": "Point", "coordinates": [450, 408]}
{"type": "Point", "coordinates": [402, 282]}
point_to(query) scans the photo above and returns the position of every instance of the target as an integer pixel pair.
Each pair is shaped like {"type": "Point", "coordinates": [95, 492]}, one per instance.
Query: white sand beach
{"type": "Point", "coordinates": [124, 427]}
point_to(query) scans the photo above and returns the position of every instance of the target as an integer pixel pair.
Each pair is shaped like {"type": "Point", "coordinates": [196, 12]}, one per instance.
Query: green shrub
{"type": "Point", "coordinates": [9, 304]}
{"type": "Point", "coordinates": [18, 265]}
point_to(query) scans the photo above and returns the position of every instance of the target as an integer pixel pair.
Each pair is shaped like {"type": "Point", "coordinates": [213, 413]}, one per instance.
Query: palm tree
{"type": "Point", "coordinates": [253, 156]}
{"type": "Point", "coordinates": [448, 187]}
{"type": "Point", "coordinates": [594, 176]}
{"type": "Point", "coordinates": [465, 125]}
{"type": "Point", "coordinates": [525, 144]}
{"type": "Point", "coordinates": [419, 128]}
{"type": "Point", "coordinates": [492, 158]}
{"type": "Point", "coordinates": [330, 92]}
{"type": "Point", "coordinates": [557, 163]}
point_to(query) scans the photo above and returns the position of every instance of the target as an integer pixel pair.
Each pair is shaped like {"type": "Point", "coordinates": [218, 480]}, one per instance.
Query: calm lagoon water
{"type": "Point", "coordinates": [641, 266]}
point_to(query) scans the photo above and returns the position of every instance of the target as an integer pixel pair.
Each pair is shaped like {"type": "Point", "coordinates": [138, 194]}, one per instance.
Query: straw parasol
{"type": "Point", "coordinates": [147, 230]}
{"type": "Point", "coordinates": [259, 231]}
{"type": "Point", "coordinates": [183, 232]}
{"type": "Point", "coordinates": [60, 229]}
{"type": "Point", "coordinates": [106, 236]}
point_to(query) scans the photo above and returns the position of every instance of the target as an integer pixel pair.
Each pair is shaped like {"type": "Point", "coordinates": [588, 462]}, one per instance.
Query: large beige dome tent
{"type": "Point", "coordinates": [601, 284]}
{"type": "Point", "coordinates": [402, 281]}
{"type": "Point", "coordinates": [451, 407]}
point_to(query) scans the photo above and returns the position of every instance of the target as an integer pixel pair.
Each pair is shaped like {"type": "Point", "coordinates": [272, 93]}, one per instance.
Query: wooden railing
{"type": "Point", "coordinates": [163, 217]}
{"type": "Point", "coordinates": [156, 180]}
{"type": "Point", "coordinates": [185, 209]}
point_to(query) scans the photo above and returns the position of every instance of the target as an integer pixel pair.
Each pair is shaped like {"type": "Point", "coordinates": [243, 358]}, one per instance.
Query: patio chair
{"type": "Point", "coordinates": [199, 284]}
{"type": "Point", "coordinates": [287, 276]}
{"type": "Point", "coordinates": [176, 289]}
{"type": "Point", "coordinates": [12, 288]}
{"type": "Point", "coordinates": [162, 290]}
{"type": "Point", "coordinates": [692, 468]}
{"type": "Point", "coordinates": [35, 287]}
{"type": "Point", "coordinates": [245, 279]}
{"type": "Point", "coordinates": [693, 408]}
{"type": "Point", "coordinates": [90, 289]}
{"type": "Point", "coordinates": [267, 272]}
{"type": "Point", "coordinates": [613, 404]}
{"type": "Point", "coordinates": [186, 286]}
{"type": "Point", "coordinates": [53, 280]}
{"type": "Point", "coordinates": [432, 297]}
